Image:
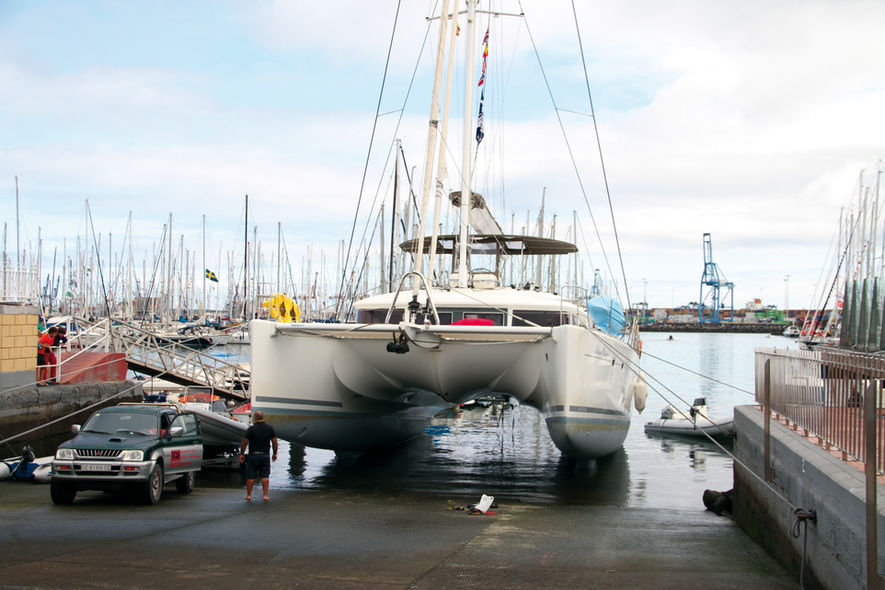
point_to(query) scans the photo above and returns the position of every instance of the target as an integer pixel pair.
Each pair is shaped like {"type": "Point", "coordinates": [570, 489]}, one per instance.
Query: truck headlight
{"type": "Point", "coordinates": [65, 454]}
{"type": "Point", "coordinates": [132, 455]}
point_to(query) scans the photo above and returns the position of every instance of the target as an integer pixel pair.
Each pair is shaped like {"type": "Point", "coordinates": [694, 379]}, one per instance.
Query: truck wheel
{"type": "Point", "coordinates": [152, 489]}
{"type": "Point", "coordinates": [185, 483]}
{"type": "Point", "coordinates": [62, 492]}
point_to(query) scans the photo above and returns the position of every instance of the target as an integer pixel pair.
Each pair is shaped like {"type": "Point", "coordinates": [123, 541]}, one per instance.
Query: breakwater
{"type": "Point", "coordinates": [724, 327]}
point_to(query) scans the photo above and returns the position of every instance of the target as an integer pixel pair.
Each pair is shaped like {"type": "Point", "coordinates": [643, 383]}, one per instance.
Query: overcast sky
{"type": "Point", "coordinates": [749, 120]}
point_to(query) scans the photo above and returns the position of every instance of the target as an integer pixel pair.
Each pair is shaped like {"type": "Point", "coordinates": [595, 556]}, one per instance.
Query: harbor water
{"type": "Point", "coordinates": [506, 452]}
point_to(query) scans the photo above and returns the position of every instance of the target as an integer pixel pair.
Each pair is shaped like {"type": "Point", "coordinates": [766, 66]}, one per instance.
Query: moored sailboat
{"type": "Point", "coordinates": [417, 350]}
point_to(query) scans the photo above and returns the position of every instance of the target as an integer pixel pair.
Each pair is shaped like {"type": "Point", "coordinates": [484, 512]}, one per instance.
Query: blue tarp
{"type": "Point", "coordinates": [607, 313]}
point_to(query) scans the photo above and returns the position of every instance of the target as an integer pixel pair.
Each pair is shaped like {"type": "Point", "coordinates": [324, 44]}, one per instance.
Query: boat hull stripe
{"type": "Point", "coordinates": [590, 410]}
{"type": "Point", "coordinates": [599, 421]}
{"type": "Point", "coordinates": [297, 402]}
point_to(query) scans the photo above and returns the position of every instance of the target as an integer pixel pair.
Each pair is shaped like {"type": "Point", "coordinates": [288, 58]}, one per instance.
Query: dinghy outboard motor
{"type": "Point", "coordinates": [23, 469]}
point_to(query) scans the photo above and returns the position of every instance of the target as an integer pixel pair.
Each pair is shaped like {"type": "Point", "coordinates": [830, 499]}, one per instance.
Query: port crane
{"type": "Point", "coordinates": [717, 289]}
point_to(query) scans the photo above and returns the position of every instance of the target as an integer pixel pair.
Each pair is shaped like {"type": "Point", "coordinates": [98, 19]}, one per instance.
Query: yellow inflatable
{"type": "Point", "coordinates": [282, 308]}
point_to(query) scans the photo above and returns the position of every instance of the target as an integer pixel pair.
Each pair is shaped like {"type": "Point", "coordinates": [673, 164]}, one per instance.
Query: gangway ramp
{"type": "Point", "coordinates": [150, 353]}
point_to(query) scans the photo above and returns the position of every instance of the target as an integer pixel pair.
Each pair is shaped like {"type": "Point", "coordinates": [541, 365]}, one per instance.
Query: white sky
{"type": "Point", "coordinates": [749, 120]}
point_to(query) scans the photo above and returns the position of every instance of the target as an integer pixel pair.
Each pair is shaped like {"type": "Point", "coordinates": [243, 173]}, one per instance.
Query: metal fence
{"type": "Point", "coordinates": [835, 395]}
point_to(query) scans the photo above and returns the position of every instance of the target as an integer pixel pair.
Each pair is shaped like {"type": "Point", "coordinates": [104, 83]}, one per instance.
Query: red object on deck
{"type": "Point", "coordinates": [474, 322]}
{"type": "Point", "coordinates": [92, 367]}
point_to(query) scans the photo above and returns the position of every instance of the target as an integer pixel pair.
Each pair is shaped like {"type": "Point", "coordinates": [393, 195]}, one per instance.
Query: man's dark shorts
{"type": "Point", "coordinates": [257, 466]}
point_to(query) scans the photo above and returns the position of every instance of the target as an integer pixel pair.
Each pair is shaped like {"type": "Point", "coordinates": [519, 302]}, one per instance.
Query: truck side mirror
{"type": "Point", "coordinates": [75, 428]}
{"type": "Point", "coordinates": [176, 431]}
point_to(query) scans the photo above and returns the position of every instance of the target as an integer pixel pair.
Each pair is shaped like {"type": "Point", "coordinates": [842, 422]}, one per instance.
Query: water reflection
{"type": "Point", "coordinates": [469, 460]}
{"type": "Point", "coordinates": [507, 452]}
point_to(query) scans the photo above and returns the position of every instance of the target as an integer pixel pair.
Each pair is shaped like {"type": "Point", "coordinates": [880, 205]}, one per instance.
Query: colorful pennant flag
{"type": "Point", "coordinates": [211, 276]}
{"type": "Point", "coordinates": [482, 79]}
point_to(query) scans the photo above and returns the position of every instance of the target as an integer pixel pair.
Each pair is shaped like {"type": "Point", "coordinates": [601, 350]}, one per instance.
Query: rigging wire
{"type": "Point", "coordinates": [104, 290]}
{"type": "Point", "coordinates": [572, 157]}
{"type": "Point", "coordinates": [601, 159]}
{"type": "Point", "coordinates": [686, 369]}
{"type": "Point", "coordinates": [368, 155]}
{"type": "Point", "coordinates": [345, 266]}
{"type": "Point", "coordinates": [636, 369]}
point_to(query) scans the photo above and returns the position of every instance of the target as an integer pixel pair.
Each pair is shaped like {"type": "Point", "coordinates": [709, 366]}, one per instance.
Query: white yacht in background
{"type": "Point", "coordinates": [428, 345]}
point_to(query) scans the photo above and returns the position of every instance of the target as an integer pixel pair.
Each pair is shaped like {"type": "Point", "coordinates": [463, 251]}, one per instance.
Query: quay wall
{"type": "Point", "coordinates": [25, 408]}
{"type": "Point", "coordinates": [808, 477]}
{"type": "Point", "coordinates": [726, 327]}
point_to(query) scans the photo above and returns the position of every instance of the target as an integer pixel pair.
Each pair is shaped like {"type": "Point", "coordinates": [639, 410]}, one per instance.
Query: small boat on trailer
{"type": "Point", "coordinates": [220, 430]}
{"type": "Point", "coordinates": [695, 423]}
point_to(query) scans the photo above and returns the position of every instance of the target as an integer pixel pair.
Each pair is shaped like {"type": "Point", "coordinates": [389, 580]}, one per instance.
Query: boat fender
{"type": "Point", "coordinates": [4, 471]}
{"type": "Point", "coordinates": [640, 392]}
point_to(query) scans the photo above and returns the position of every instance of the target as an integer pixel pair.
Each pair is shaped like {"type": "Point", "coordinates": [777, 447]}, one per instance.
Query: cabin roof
{"type": "Point", "coordinates": [508, 244]}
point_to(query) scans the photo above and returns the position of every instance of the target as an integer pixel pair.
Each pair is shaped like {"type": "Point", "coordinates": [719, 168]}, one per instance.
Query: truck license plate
{"type": "Point", "coordinates": [96, 467]}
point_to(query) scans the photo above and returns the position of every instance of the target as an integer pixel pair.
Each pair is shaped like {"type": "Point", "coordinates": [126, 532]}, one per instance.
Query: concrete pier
{"type": "Point", "coordinates": [806, 476]}
{"type": "Point", "coordinates": [366, 540]}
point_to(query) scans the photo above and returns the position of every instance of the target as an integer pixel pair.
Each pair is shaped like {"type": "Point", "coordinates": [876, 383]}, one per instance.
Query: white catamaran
{"type": "Point", "coordinates": [419, 349]}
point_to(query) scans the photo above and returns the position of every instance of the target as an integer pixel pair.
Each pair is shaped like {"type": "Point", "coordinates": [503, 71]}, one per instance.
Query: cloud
{"type": "Point", "coordinates": [749, 121]}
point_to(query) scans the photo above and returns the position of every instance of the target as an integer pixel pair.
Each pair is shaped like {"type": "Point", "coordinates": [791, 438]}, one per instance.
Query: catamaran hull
{"type": "Point", "coordinates": [338, 387]}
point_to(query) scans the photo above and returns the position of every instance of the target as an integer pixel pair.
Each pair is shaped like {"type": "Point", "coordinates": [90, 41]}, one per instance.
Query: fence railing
{"type": "Point", "coordinates": [826, 392]}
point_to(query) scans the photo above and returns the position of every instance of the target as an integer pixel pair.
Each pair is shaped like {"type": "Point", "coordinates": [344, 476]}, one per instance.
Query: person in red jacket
{"type": "Point", "coordinates": [46, 373]}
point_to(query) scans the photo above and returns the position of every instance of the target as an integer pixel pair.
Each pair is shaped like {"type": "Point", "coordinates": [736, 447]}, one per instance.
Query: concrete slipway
{"type": "Point", "coordinates": [365, 540]}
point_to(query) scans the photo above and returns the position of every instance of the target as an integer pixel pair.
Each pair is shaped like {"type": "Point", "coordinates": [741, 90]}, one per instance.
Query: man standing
{"type": "Point", "coordinates": [259, 438]}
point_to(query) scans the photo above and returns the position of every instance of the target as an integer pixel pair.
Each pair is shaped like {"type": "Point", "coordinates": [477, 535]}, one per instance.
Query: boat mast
{"type": "Point", "coordinates": [466, 191]}
{"type": "Point", "coordinates": [279, 256]}
{"type": "Point", "coordinates": [86, 275]}
{"type": "Point", "coordinates": [18, 252]}
{"type": "Point", "coordinates": [444, 133]}
{"type": "Point", "coordinates": [246, 260]}
{"type": "Point", "coordinates": [382, 262]}
{"type": "Point", "coordinates": [431, 140]}
{"type": "Point", "coordinates": [393, 217]}
{"type": "Point", "coordinates": [204, 264]}
{"type": "Point", "coordinates": [5, 264]}
{"type": "Point", "coordinates": [129, 301]}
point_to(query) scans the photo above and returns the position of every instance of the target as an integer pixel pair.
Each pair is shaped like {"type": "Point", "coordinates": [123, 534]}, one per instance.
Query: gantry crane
{"type": "Point", "coordinates": [714, 284]}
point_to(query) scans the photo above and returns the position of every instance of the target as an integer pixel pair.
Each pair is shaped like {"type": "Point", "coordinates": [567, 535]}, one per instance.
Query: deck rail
{"type": "Point", "coordinates": [825, 393]}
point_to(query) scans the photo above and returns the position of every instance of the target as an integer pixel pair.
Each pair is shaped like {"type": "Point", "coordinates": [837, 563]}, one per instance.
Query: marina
{"type": "Point", "coordinates": [459, 283]}
{"type": "Point", "coordinates": [382, 520]}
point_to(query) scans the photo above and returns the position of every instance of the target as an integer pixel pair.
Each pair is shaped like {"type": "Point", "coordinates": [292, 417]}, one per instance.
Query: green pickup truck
{"type": "Point", "coordinates": [130, 447]}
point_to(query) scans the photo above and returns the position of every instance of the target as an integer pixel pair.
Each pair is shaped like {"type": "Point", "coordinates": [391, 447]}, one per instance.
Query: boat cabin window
{"type": "Point", "coordinates": [376, 316]}
{"type": "Point", "coordinates": [545, 319]}
{"type": "Point", "coordinates": [446, 316]}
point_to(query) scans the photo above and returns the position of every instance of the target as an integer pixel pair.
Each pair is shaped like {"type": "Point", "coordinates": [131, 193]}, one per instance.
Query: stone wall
{"type": "Point", "coordinates": [26, 408]}
{"type": "Point", "coordinates": [18, 345]}
{"type": "Point", "coordinates": [808, 477]}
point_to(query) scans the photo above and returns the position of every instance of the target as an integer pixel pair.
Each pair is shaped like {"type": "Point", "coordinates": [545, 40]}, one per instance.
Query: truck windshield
{"type": "Point", "coordinates": [120, 422]}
